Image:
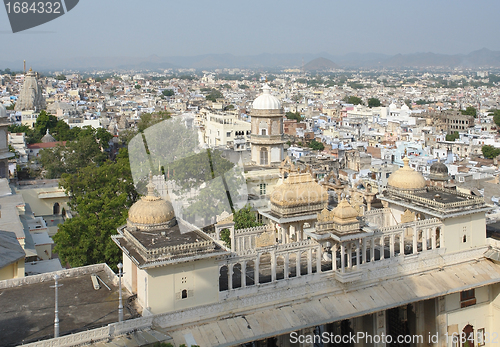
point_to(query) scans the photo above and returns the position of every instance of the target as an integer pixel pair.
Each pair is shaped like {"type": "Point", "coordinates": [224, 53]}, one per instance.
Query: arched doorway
{"type": "Point", "coordinates": [468, 334]}
{"type": "Point", "coordinates": [56, 208]}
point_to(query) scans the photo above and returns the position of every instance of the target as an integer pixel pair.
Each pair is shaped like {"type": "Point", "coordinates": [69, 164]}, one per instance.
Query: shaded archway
{"type": "Point", "coordinates": [468, 336]}
{"type": "Point", "coordinates": [237, 275]}
{"type": "Point", "coordinates": [265, 268]}
{"type": "Point", "coordinates": [280, 267]}
{"type": "Point", "coordinates": [250, 273]}
{"type": "Point", "coordinates": [292, 265]}
{"type": "Point", "coordinates": [56, 208]}
{"type": "Point", "coordinates": [223, 279]}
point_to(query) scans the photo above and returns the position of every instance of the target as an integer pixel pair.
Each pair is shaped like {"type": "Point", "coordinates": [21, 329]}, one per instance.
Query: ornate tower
{"type": "Point", "coordinates": [30, 97]}
{"type": "Point", "coordinates": [267, 130]}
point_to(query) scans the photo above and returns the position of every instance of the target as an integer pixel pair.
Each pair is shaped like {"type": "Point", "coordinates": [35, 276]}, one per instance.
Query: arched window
{"type": "Point", "coordinates": [184, 294]}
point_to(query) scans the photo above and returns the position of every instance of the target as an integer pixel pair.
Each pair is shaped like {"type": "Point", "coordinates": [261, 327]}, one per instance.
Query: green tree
{"type": "Point", "coordinates": [453, 136]}
{"type": "Point", "coordinates": [214, 95]}
{"type": "Point", "coordinates": [318, 146]}
{"type": "Point", "coordinates": [168, 92]}
{"type": "Point", "coordinates": [373, 102]}
{"type": "Point", "coordinates": [100, 197]}
{"type": "Point", "coordinates": [87, 149]}
{"type": "Point", "coordinates": [43, 122]}
{"type": "Point", "coordinates": [137, 86]}
{"type": "Point", "coordinates": [225, 235]}
{"type": "Point", "coordinates": [470, 111]}
{"type": "Point", "coordinates": [11, 107]}
{"type": "Point", "coordinates": [490, 152]}
{"type": "Point", "coordinates": [496, 117]}
{"type": "Point", "coordinates": [354, 100]}
{"type": "Point", "coordinates": [61, 77]}
{"type": "Point", "coordinates": [293, 115]}
{"type": "Point", "coordinates": [245, 218]}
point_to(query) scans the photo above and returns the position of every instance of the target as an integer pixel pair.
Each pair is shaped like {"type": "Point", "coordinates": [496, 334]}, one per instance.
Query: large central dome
{"type": "Point", "coordinates": [266, 101]}
{"type": "Point", "coordinates": [406, 178]}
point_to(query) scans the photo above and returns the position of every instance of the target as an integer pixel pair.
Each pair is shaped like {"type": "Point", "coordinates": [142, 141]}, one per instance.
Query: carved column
{"type": "Point", "coordinates": [382, 248]}
{"type": "Point", "coordinates": [372, 249]}
{"type": "Point", "coordinates": [334, 257]}
{"type": "Point", "coordinates": [243, 274]}
{"type": "Point", "coordinates": [424, 239]}
{"type": "Point", "coordinates": [318, 259]}
{"type": "Point", "coordinates": [363, 258]}
{"type": "Point", "coordinates": [309, 261]}
{"type": "Point", "coordinates": [402, 244]}
{"type": "Point", "coordinates": [441, 322]}
{"type": "Point", "coordinates": [273, 266]}
{"type": "Point", "coordinates": [230, 276]}
{"type": "Point", "coordinates": [391, 245]}
{"type": "Point", "coordinates": [420, 315]}
{"type": "Point", "coordinates": [380, 327]}
{"type": "Point", "coordinates": [342, 257]}
{"type": "Point", "coordinates": [433, 235]}
{"type": "Point", "coordinates": [256, 272]}
{"type": "Point", "coordinates": [349, 256]}
{"type": "Point", "coordinates": [287, 265]}
{"type": "Point", "coordinates": [297, 264]}
{"type": "Point", "coordinates": [357, 253]}
{"type": "Point", "coordinates": [415, 249]}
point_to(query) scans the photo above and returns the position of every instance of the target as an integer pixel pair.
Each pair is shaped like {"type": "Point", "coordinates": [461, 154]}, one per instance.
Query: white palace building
{"type": "Point", "coordinates": [420, 268]}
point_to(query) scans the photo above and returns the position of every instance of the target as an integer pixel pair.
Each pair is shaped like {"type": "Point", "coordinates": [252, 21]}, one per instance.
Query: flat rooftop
{"type": "Point", "coordinates": [27, 311]}
{"type": "Point", "coordinates": [441, 196]}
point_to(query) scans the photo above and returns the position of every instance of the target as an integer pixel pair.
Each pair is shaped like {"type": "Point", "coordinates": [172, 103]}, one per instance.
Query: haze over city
{"type": "Point", "coordinates": [188, 28]}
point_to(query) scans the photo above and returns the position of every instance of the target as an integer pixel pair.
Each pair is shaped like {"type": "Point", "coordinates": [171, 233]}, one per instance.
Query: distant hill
{"type": "Point", "coordinates": [320, 64]}
{"type": "Point", "coordinates": [481, 58]}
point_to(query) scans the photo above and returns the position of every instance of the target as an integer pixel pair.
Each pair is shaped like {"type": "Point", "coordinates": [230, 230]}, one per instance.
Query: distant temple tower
{"type": "Point", "coordinates": [267, 130]}
{"type": "Point", "coordinates": [30, 97]}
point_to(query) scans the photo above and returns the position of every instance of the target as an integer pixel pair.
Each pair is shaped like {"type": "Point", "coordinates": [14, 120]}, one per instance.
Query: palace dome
{"type": "Point", "coordinates": [344, 212]}
{"type": "Point", "coordinates": [438, 172]}
{"type": "Point", "coordinates": [3, 111]}
{"type": "Point", "coordinates": [266, 101]}
{"type": "Point", "coordinates": [299, 189]}
{"type": "Point", "coordinates": [406, 178]}
{"type": "Point", "coordinates": [150, 209]}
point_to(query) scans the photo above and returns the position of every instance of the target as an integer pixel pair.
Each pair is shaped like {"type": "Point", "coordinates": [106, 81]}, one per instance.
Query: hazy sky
{"type": "Point", "coordinates": [135, 28]}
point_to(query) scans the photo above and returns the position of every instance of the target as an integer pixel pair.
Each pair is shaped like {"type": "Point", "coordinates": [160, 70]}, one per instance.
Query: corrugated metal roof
{"type": "Point", "coordinates": [355, 303]}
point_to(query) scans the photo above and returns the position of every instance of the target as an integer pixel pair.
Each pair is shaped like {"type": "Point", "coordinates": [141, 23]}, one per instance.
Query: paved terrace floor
{"type": "Point", "coordinates": [27, 311]}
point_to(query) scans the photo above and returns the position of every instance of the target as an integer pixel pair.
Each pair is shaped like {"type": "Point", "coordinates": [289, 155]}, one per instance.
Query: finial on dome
{"type": "Point", "coordinates": [151, 186]}
{"type": "Point", "coordinates": [266, 89]}
{"type": "Point", "coordinates": [47, 132]}
{"type": "Point", "coordinates": [406, 161]}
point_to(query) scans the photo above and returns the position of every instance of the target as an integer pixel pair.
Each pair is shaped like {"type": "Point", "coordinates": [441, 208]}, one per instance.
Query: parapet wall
{"type": "Point", "coordinates": [66, 273]}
